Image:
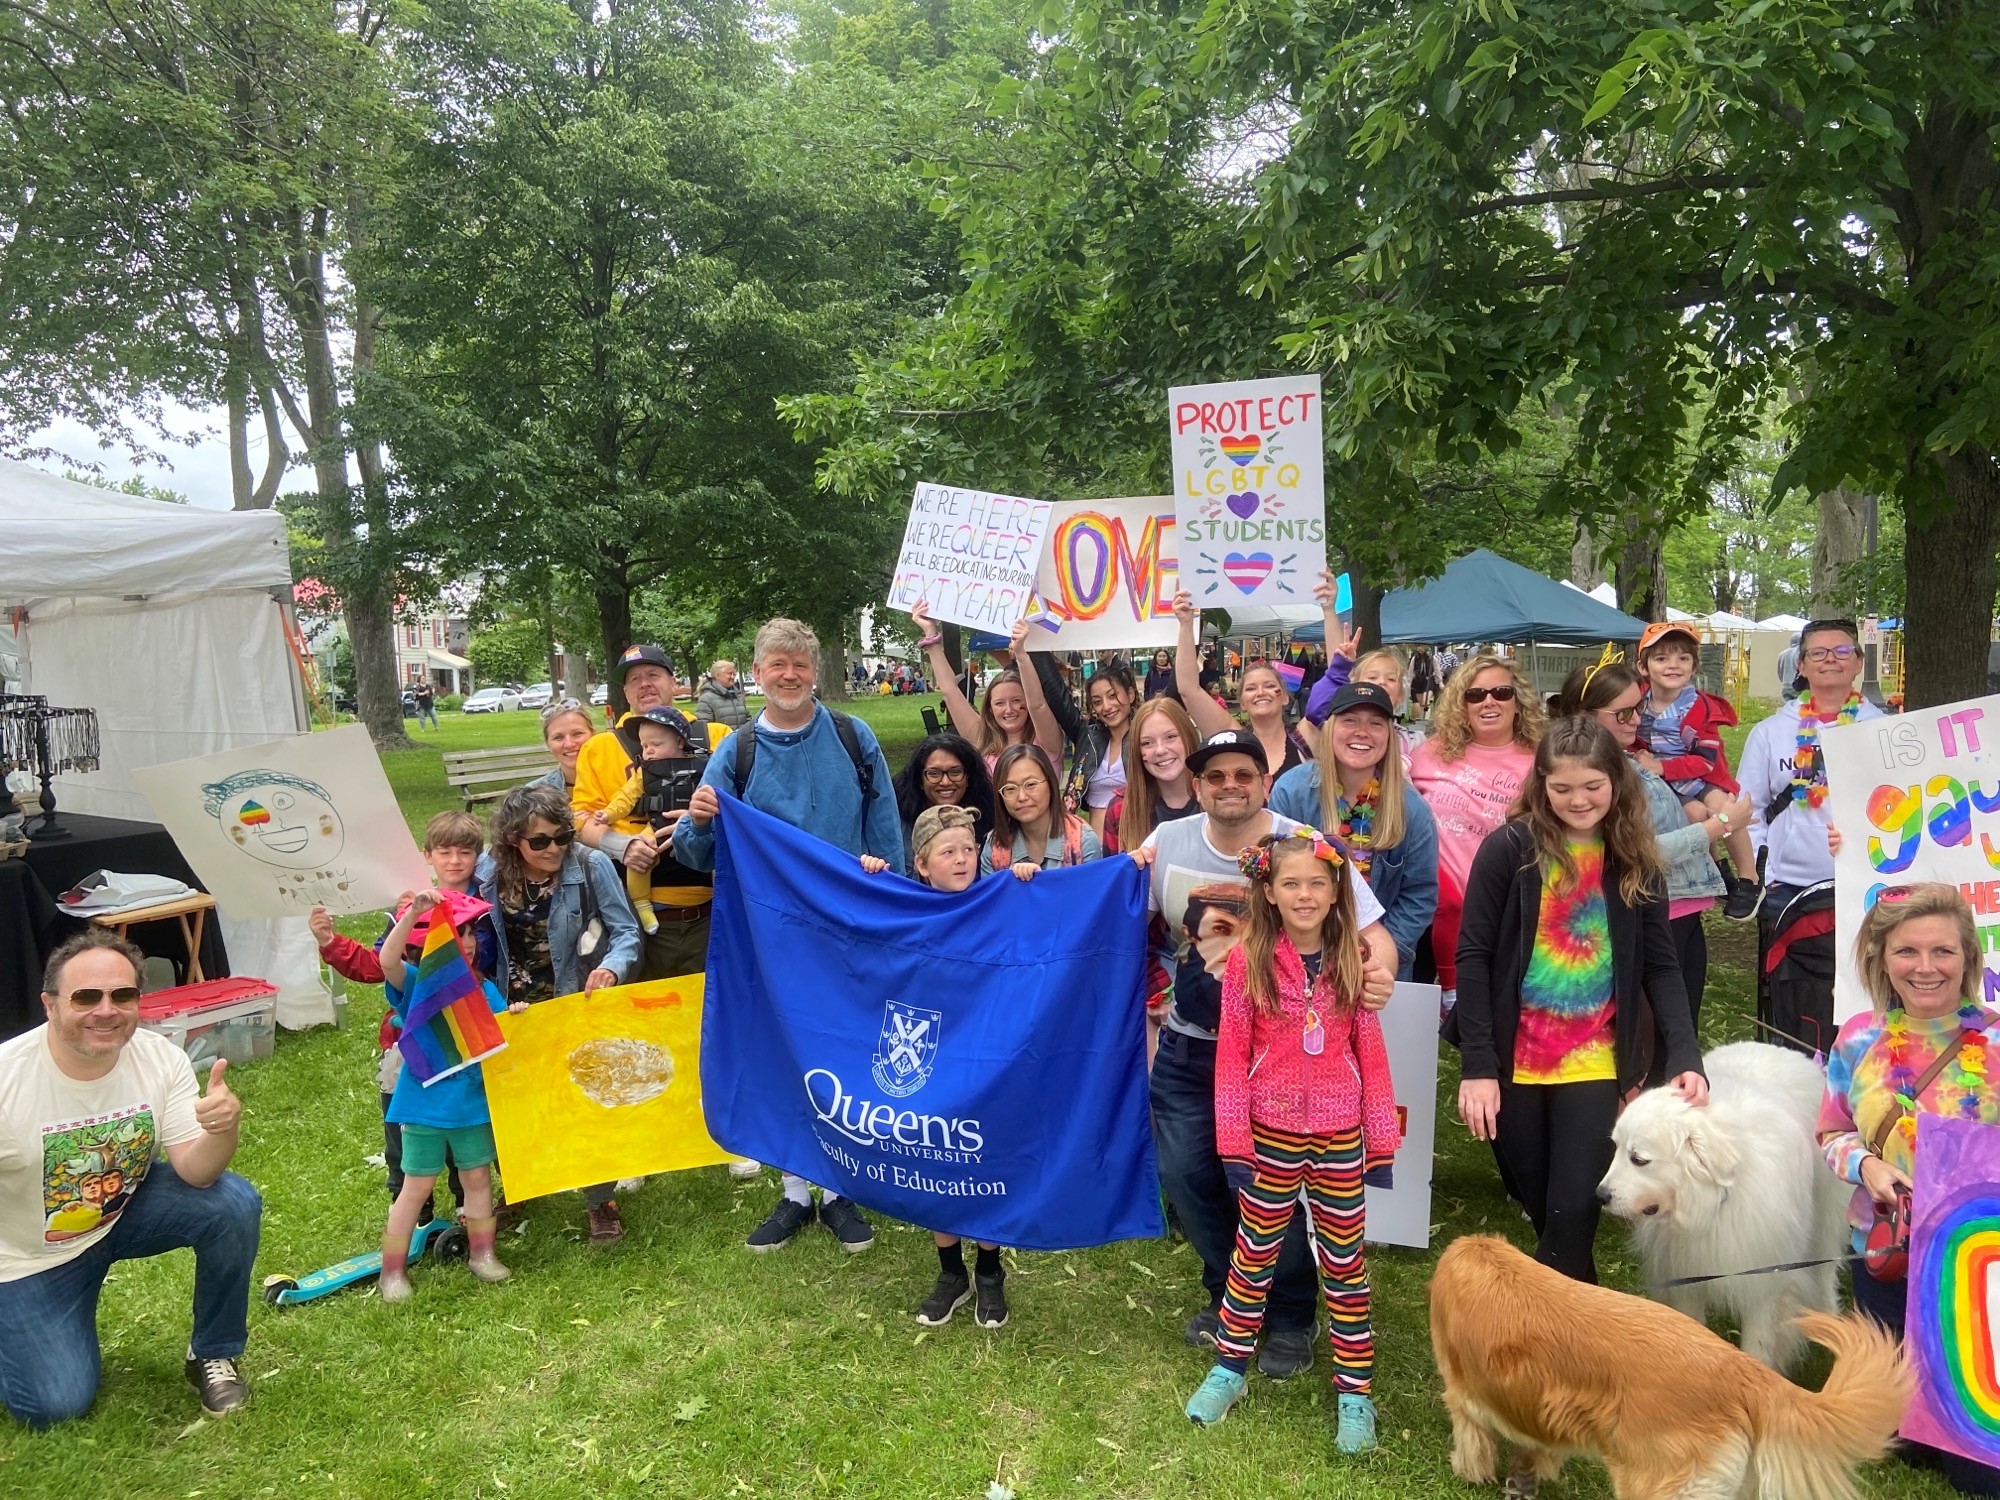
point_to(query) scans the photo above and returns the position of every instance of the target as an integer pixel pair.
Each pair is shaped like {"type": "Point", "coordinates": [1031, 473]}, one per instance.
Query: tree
{"type": "Point", "coordinates": [511, 650]}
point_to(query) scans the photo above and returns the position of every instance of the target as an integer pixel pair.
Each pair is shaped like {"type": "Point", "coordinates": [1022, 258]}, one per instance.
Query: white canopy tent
{"type": "Point", "coordinates": [172, 624]}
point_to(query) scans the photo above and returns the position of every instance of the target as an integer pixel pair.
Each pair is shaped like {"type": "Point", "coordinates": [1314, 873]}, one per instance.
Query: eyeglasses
{"type": "Point", "coordinates": [1498, 695]}
{"type": "Point", "coordinates": [939, 775]}
{"type": "Point", "coordinates": [1829, 653]}
{"type": "Point", "coordinates": [1232, 778]}
{"type": "Point", "coordinates": [1022, 788]}
{"type": "Point", "coordinates": [567, 706]}
{"type": "Point", "coordinates": [540, 841]}
{"type": "Point", "coordinates": [126, 994]}
{"type": "Point", "coordinates": [1616, 715]}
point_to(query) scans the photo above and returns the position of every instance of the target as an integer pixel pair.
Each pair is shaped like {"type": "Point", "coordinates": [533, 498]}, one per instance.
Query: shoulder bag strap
{"type": "Point", "coordinates": [1924, 1080]}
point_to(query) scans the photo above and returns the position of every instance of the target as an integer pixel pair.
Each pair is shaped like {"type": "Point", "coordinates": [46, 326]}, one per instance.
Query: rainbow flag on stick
{"type": "Point", "coordinates": [449, 1023]}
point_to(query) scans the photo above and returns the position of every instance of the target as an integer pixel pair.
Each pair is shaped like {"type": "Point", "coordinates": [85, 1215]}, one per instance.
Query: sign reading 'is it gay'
{"type": "Point", "coordinates": [1249, 490]}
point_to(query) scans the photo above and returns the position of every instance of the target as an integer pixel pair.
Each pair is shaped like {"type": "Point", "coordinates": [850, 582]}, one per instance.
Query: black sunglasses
{"type": "Point", "coordinates": [1498, 695]}
{"type": "Point", "coordinates": [540, 841]}
{"type": "Point", "coordinates": [127, 994]}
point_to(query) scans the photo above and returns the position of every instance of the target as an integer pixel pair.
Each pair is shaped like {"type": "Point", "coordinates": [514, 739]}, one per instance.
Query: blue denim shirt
{"type": "Point", "coordinates": [622, 943]}
{"type": "Point", "coordinates": [1404, 879]}
{"type": "Point", "coordinates": [1691, 867]}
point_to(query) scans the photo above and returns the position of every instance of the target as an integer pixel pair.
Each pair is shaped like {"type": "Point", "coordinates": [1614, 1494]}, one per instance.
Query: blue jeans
{"type": "Point", "coordinates": [426, 711]}
{"type": "Point", "coordinates": [49, 1362]}
{"type": "Point", "coordinates": [1183, 1089]}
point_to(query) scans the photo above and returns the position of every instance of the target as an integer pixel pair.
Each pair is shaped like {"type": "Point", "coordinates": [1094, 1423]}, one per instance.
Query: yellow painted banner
{"type": "Point", "coordinates": [593, 1088]}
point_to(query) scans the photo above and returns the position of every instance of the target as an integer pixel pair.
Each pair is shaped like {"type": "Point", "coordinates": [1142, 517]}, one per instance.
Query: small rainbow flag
{"type": "Point", "coordinates": [1240, 447]}
{"type": "Point", "coordinates": [1292, 677]}
{"type": "Point", "coordinates": [448, 1024]}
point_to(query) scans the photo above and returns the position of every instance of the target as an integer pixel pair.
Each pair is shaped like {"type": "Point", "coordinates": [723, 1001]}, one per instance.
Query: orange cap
{"type": "Point", "coordinates": [1653, 634]}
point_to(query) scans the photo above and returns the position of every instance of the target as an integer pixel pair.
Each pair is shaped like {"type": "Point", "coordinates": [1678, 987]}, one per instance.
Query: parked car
{"type": "Point", "coordinates": [492, 701]}
{"type": "Point", "coordinates": [537, 696]}
{"type": "Point", "coordinates": [601, 694]}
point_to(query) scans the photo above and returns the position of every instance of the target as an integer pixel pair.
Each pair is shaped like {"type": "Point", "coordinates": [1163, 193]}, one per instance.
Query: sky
{"type": "Point", "coordinates": [194, 457]}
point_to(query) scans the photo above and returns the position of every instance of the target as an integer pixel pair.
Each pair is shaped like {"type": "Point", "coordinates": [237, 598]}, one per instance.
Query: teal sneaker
{"type": "Point", "coordinates": [1357, 1424]}
{"type": "Point", "coordinates": [1222, 1390]}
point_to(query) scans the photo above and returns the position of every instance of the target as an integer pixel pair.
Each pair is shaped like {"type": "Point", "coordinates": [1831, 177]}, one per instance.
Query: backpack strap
{"type": "Point", "coordinates": [1003, 854]}
{"type": "Point", "coordinates": [1072, 840]}
{"type": "Point", "coordinates": [744, 757]}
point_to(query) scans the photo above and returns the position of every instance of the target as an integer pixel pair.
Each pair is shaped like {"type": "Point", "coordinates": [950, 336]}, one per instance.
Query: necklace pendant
{"type": "Point", "coordinates": [1313, 1038]}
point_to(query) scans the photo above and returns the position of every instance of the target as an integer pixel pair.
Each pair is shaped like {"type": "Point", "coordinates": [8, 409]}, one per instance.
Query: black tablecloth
{"type": "Point", "coordinates": [130, 848]}
{"type": "Point", "coordinates": [27, 924]}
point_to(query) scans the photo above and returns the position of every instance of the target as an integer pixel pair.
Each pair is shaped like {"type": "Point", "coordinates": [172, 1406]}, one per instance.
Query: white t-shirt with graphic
{"type": "Point", "coordinates": [72, 1153]}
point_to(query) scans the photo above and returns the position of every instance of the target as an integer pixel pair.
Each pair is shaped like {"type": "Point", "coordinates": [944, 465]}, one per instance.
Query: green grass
{"type": "Point", "coordinates": [678, 1365]}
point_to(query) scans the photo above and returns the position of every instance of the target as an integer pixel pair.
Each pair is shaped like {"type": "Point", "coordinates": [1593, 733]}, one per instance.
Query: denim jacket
{"type": "Point", "coordinates": [622, 946]}
{"type": "Point", "coordinates": [1404, 879]}
{"type": "Point", "coordinates": [1691, 868]}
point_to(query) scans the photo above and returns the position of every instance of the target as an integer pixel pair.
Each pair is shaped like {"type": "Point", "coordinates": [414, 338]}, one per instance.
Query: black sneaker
{"type": "Point", "coordinates": [951, 1293]}
{"type": "Point", "coordinates": [1286, 1352]}
{"type": "Point", "coordinates": [1745, 896]}
{"type": "Point", "coordinates": [990, 1311]}
{"type": "Point", "coordinates": [847, 1224]}
{"type": "Point", "coordinates": [219, 1383]}
{"type": "Point", "coordinates": [1203, 1328]}
{"type": "Point", "coordinates": [779, 1225]}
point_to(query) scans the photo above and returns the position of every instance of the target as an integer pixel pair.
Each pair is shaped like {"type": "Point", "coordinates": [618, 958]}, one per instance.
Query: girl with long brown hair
{"type": "Point", "coordinates": [1158, 785]}
{"type": "Point", "coordinates": [1032, 830]}
{"type": "Point", "coordinates": [1015, 710]}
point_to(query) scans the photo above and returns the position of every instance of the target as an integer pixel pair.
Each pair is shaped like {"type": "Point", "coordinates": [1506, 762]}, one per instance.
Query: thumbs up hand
{"type": "Point", "coordinates": [219, 1111]}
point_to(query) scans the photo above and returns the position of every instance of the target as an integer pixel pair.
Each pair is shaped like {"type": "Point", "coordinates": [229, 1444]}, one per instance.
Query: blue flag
{"type": "Point", "coordinates": [971, 1063]}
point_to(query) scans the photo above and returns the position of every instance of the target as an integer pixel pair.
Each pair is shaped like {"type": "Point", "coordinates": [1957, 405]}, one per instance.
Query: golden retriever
{"type": "Point", "coordinates": [1674, 1412]}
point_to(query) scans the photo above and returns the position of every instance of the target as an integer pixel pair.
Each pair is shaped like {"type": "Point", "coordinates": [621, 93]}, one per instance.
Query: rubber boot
{"type": "Point", "coordinates": [394, 1284]}
{"type": "Point", "coordinates": [481, 1259]}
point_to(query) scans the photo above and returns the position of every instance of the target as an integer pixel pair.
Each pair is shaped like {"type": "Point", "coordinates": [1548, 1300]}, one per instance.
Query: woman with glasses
{"type": "Point", "coordinates": [563, 924]}
{"type": "Point", "coordinates": [1031, 829]}
{"type": "Point", "coordinates": [1611, 693]}
{"type": "Point", "coordinates": [1480, 750]}
{"type": "Point", "coordinates": [565, 728]}
{"type": "Point", "coordinates": [943, 771]}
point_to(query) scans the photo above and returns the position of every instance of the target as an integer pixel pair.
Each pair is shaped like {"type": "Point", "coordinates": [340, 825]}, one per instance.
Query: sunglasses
{"type": "Point", "coordinates": [936, 775]}
{"type": "Point", "coordinates": [127, 994]}
{"type": "Point", "coordinates": [1498, 695]}
{"type": "Point", "coordinates": [1829, 653]}
{"type": "Point", "coordinates": [1617, 715]}
{"type": "Point", "coordinates": [567, 706]}
{"type": "Point", "coordinates": [1232, 778]}
{"type": "Point", "coordinates": [540, 841]}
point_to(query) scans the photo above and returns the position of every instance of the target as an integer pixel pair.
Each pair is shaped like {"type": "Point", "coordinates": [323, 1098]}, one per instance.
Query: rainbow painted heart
{"type": "Point", "coordinates": [1241, 448]}
{"type": "Point", "coordinates": [1244, 505]}
{"type": "Point", "coordinates": [1247, 572]}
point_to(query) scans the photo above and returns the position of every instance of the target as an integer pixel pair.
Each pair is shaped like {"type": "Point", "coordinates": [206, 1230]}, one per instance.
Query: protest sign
{"type": "Point", "coordinates": [1915, 798]}
{"type": "Point", "coordinates": [1108, 576]}
{"type": "Point", "coordinates": [275, 830]}
{"type": "Point", "coordinates": [592, 1088]}
{"type": "Point", "coordinates": [970, 557]}
{"type": "Point", "coordinates": [1249, 490]}
{"type": "Point", "coordinates": [1952, 1316]}
{"type": "Point", "coordinates": [1401, 1214]}
{"type": "Point", "coordinates": [973, 1062]}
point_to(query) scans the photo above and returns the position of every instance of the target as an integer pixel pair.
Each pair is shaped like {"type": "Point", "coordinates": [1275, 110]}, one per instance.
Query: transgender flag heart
{"type": "Point", "coordinates": [1247, 572]}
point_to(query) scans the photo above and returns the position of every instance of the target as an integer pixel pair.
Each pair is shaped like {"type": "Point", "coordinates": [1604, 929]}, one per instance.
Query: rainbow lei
{"type": "Point", "coordinates": [1967, 1072]}
{"type": "Point", "coordinates": [1357, 825]}
{"type": "Point", "coordinates": [1808, 772]}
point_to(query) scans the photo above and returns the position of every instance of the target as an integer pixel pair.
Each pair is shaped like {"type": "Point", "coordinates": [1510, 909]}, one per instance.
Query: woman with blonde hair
{"type": "Point", "coordinates": [1262, 699]}
{"type": "Point", "coordinates": [1470, 770]}
{"type": "Point", "coordinates": [1015, 711]}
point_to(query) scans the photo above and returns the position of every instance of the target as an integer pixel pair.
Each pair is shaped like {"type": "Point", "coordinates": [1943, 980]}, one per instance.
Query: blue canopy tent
{"type": "Point", "coordinates": [1484, 597]}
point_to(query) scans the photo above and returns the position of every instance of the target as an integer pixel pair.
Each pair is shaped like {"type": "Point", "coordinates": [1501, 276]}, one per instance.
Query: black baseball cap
{"type": "Point", "coordinates": [1230, 742]}
{"type": "Point", "coordinates": [669, 718]}
{"type": "Point", "coordinates": [637, 656]}
{"type": "Point", "coordinates": [1363, 695]}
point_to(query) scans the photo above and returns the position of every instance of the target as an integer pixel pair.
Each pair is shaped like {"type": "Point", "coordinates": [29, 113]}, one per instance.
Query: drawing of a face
{"type": "Point", "coordinates": [277, 818]}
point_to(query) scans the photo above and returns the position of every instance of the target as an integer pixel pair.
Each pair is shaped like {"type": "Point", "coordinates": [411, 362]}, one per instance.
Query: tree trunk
{"type": "Point", "coordinates": [1949, 579]}
{"type": "Point", "coordinates": [834, 685]}
{"type": "Point", "coordinates": [1836, 549]}
{"type": "Point", "coordinates": [1367, 615]}
{"type": "Point", "coordinates": [1642, 578]}
{"type": "Point", "coordinates": [1586, 569]}
{"type": "Point", "coordinates": [614, 628]}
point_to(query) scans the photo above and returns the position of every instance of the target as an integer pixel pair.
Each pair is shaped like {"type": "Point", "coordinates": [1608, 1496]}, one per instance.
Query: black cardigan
{"type": "Point", "coordinates": [1496, 934]}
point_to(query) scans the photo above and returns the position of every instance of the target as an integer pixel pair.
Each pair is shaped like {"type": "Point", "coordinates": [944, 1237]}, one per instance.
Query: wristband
{"type": "Point", "coordinates": [931, 640]}
{"type": "Point", "coordinates": [1722, 818]}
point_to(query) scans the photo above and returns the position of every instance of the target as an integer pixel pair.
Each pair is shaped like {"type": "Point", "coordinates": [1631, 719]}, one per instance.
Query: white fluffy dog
{"type": "Point", "coordinates": [1738, 1184]}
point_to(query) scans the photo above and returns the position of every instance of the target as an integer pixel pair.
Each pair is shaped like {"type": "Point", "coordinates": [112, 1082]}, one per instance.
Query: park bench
{"type": "Point", "coordinates": [484, 775]}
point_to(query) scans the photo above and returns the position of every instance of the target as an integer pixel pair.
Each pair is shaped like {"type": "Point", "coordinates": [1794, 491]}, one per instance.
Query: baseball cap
{"type": "Point", "coordinates": [1230, 742]}
{"type": "Point", "coordinates": [671, 718]}
{"type": "Point", "coordinates": [1659, 630]}
{"type": "Point", "coordinates": [635, 656]}
{"type": "Point", "coordinates": [1363, 695]}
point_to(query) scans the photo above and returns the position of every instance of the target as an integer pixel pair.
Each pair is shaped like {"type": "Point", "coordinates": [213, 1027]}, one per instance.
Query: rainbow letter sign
{"type": "Point", "coordinates": [1953, 1323]}
{"type": "Point", "coordinates": [1108, 576]}
{"type": "Point", "coordinates": [1249, 490]}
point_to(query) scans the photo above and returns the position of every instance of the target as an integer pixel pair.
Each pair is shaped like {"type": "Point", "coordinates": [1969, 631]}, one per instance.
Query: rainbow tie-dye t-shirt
{"type": "Point", "coordinates": [1564, 1034]}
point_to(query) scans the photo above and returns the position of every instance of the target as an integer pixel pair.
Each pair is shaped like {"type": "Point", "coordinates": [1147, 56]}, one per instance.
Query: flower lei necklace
{"type": "Point", "coordinates": [1357, 825]}
{"type": "Point", "coordinates": [1967, 1073]}
{"type": "Point", "coordinates": [1808, 774]}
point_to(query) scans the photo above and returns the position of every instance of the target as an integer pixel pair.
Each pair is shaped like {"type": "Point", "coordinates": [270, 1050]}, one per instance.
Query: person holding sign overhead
{"type": "Point", "coordinates": [1262, 698]}
{"type": "Point", "coordinates": [1016, 711]}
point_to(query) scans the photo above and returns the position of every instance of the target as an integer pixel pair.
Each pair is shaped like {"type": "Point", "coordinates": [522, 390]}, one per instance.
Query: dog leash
{"type": "Point", "coordinates": [1790, 1265]}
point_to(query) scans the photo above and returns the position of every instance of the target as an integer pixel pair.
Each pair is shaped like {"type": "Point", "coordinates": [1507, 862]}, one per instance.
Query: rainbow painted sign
{"type": "Point", "coordinates": [1249, 490]}
{"type": "Point", "coordinates": [1108, 576]}
{"type": "Point", "coordinates": [1952, 1327]}
{"type": "Point", "coordinates": [1915, 797]}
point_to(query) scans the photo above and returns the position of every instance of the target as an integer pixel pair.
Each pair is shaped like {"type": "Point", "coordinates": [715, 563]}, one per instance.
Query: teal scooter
{"type": "Point", "coordinates": [444, 1237]}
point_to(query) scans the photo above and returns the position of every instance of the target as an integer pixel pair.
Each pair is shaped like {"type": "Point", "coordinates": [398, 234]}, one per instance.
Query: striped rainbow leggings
{"type": "Point", "coordinates": [1329, 1168]}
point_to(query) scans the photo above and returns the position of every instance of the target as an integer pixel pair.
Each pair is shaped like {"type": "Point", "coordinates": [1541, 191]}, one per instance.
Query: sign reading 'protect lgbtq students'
{"type": "Point", "coordinates": [1249, 490]}
{"type": "Point", "coordinates": [970, 557]}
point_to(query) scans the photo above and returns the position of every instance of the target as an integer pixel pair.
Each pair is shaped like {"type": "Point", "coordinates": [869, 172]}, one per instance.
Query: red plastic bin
{"type": "Point", "coordinates": [236, 1018]}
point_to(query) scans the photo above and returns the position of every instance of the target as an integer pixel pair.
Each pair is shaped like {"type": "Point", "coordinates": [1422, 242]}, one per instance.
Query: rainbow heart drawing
{"type": "Point", "coordinates": [1247, 572]}
{"type": "Point", "coordinates": [252, 815]}
{"type": "Point", "coordinates": [1240, 448]}
{"type": "Point", "coordinates": [1245, 504]}
{"type": "Point", "coordinates": [1954, 1289]}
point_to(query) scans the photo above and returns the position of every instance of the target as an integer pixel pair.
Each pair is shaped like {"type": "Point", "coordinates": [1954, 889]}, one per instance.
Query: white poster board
{"type": "Point", "coordinates": [275, 830]}
{"type": "Point", "coordinates": [1914, 798]}
{"type": "Point", "coordinates": [1401, 1215]}
{"type": "Point", "coordinates": [1249, 490]}
{"type": "Point", "coordinates": [1108, 576]}
{"type": "Point", "coordinates": [970, 556]}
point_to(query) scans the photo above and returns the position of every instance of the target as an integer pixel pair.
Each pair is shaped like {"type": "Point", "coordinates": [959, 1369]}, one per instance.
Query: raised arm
{"type": "Point", "coordinates": [964, 717]}
{"type": "Point", "coordinates": [1209, 716]}
{"type": "Point", "coordinates": [1048, 733]}
{"type": "Point", "coordinates": [394, 970]}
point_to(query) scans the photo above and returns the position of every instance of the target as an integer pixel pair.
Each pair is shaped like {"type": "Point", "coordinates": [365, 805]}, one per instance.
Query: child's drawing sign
{"type": "Point", "coordinates": [970, 556]}
{"type": "Point", "coordinates": [1249, 489]}
{"type": "Point", "coordinates": [275, 830]}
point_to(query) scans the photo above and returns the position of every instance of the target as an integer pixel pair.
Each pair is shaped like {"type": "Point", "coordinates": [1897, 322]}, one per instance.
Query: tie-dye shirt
{"type": "Point", "coordinates": [1564, 1035]}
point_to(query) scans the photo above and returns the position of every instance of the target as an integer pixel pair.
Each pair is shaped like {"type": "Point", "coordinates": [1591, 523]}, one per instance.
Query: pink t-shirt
{"type": "Point", "coordinates": [1469, 797]}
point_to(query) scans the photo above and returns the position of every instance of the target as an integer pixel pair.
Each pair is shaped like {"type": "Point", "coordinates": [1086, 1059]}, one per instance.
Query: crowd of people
{"type": "Point", "coordinates": [1548, 865]}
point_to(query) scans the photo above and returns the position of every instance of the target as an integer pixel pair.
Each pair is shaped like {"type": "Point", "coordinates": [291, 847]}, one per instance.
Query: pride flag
{"type": "Point", "coordinates": [1292, 677]}
{"type": "Point", "coordinates": [448, 1024]}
